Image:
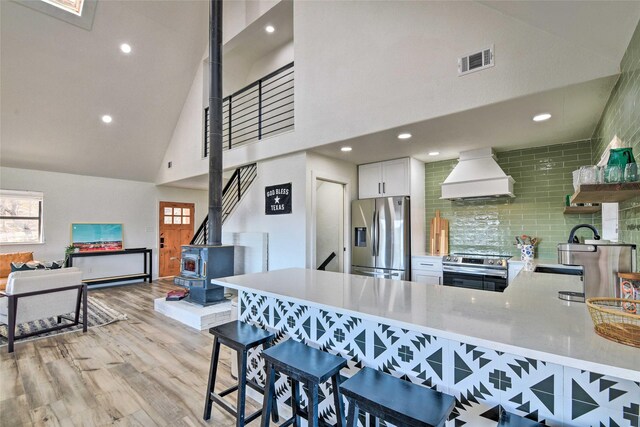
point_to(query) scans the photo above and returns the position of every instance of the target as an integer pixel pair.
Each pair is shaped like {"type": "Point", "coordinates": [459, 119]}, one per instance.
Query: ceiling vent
{"type": "Point", "coordinates": [476, 61]}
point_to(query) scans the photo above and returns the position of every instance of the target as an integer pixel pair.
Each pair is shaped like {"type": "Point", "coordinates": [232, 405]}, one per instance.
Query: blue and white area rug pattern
{"type": "Point", "coordinates": [98, 313]}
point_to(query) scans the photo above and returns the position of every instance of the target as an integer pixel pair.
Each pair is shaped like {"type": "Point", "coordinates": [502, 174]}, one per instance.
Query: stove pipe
{"type": "Point", "coordinates": [214, 237]}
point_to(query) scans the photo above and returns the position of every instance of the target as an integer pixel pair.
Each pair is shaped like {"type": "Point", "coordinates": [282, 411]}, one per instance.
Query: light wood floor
{"type": "Point", "coordinates": [145, 371]}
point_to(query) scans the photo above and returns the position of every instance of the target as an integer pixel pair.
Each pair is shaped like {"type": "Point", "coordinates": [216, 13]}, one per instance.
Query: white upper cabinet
{"type": "Point", "coordinates": [370, 180]}
{"type": "Point", "coordinates": [384, 179]}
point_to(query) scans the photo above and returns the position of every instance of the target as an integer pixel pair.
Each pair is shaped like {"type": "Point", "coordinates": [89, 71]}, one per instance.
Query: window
{"type": "Point", "coordinates": [71, 6]}
{"type": "Point", "coordinates": [20, 217]}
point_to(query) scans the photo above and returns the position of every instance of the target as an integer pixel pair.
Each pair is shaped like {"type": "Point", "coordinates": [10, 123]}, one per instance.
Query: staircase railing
{"type": "Point", "coordinates": [326, 262]}
{"type": "Point", "coordinates": [263, 108]}
{"type": "Point", "coordinates": [232, 193]}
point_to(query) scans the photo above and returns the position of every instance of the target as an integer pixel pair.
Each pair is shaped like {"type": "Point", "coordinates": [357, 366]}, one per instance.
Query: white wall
{"type": "Point", "coordinates": [75, 198]}
{"type": "Point", "coordinates": [287, 238]}
{"type": "Point", "coordinates": [292, 236]}
{"type": "Point", "coordinates": [367, 66]}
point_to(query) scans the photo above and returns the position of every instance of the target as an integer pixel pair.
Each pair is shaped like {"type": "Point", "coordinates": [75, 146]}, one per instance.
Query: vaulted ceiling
{"type": "Point", "coordinates": [59, 79]}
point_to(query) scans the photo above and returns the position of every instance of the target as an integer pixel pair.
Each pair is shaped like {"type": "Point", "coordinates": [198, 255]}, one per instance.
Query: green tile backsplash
{"type": "Point", "coordinates": [621, 117]}
{"type": "Point", "coordinates": [543, 177]}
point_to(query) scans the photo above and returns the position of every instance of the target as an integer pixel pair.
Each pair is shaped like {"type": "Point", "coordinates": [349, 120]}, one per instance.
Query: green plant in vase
{"type": "Point", "coordinates": [68, 251]}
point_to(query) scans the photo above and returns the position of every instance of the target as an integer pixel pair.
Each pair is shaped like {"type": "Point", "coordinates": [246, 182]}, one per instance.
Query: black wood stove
{"type": "Point", "coordinates": [198, 265]}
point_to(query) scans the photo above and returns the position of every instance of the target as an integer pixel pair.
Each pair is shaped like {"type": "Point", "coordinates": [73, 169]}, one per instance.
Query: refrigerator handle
{"type": "Point", "coordinates": [373, 234]}
{"type": "Point", "coordinates": [378, 235]}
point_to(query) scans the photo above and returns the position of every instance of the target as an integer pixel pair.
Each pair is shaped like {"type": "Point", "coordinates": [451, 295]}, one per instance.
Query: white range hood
{"type": "Point", "coordinates": [477, 175]}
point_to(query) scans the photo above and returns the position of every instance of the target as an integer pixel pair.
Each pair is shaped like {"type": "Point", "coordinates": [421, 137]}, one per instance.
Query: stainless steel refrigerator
{"type": "Point", "coordinates": [381, 237]}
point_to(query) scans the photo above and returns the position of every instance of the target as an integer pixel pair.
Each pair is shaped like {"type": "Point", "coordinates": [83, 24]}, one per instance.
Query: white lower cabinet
{"type": "Point", "coordinates": [426, 269]}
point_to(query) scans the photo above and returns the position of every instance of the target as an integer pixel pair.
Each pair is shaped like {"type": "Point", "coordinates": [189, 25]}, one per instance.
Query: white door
{"type": "Point", "coordinates": [329, 225]}
{"type": "Point", "coordinates": [369, 181]}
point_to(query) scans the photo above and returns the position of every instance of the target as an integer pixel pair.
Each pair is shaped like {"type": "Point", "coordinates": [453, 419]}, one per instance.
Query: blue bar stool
{"type": "Point", "coordinates": [512, 420]}
{"type": "Point", "coordinates": [394, 400]}
{"type": "Point", "coordinates": [306, 365]}
{"type": "Point", "coordinates": [240, 337]}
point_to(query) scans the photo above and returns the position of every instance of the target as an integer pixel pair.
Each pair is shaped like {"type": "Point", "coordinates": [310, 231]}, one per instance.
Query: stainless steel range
{"type": "Point", "coordinates": [476, 271]}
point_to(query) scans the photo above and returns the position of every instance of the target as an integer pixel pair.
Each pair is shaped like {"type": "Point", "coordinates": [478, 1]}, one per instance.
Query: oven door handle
{"type": "Point", "coordinates": [476, 271]}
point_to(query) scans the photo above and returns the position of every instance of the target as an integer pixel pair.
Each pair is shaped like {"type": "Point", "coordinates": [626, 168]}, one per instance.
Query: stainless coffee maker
{"type": "Point", "coordinates": [601, 263]}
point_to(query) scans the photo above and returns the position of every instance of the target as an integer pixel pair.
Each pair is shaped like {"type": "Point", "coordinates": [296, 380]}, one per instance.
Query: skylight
{"type": "Point", "coordinates": [71, 6]}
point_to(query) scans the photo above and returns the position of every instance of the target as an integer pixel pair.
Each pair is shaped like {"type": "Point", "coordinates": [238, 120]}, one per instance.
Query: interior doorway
{"type": "Point", "coordinates": [176, 229]}
{"type": "Point", "coordinates": [329, 230]}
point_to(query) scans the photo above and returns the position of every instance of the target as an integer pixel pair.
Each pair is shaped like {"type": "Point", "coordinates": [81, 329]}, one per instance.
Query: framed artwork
{"type": "Point", "coordinates": [277, 199]}
{"type": "Point", "coordinates": [92, 237]}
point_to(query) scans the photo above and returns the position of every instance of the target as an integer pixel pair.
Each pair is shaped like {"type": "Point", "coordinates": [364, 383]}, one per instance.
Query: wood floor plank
{"type": "Point", "coordinates": [11, 383]}
{"type": "Point", "coordinates": [15, 411]}
{"type": "Point", "coordinates": [35, 380]}
{"type": "Point", "coordinates": [44, 416]}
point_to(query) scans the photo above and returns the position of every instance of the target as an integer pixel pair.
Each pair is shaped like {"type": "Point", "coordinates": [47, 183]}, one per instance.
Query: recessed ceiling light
{"type": "Point", "coordinates": [269, 29]}
{"type": "Point", "coordinates": [541, 117]}
{"type": "Point", "coordinates": [404, 136]}
{"type": "Point", "coordinates": [346, 149]}
{"type": "Point", "coordinates": [434, 153]}
{"type": "Point", "coordinates": [107, 118]}
{"type": "Point", "coordinates": [125, 48]}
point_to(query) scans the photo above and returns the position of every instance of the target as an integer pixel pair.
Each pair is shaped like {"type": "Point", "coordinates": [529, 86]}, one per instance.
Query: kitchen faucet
{"type": "Point", "coordinates": [574, 239]}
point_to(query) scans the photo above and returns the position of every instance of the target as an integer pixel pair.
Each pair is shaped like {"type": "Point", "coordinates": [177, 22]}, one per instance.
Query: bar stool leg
{"type": "Point", "coordinates": [337, 400]}
{"type": "Point", "coordinates": [215, 354]}
{"type": "Point", "coordinates": [312, 407]}
{"type": "Point", "coordinates": [269, 392]}
{"type": "Point", "coordinates": [275, 416]}
{"type": "Point", "coordinates": [242, 387]}
{"type": "Point", "coordinates": [295, 402]}
{"type": "Point", "coordinates": [352, 417]}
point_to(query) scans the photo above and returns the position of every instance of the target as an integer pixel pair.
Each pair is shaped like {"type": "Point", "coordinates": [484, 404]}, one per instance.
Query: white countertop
{"type": "Point", "coordinates": [527, 319]}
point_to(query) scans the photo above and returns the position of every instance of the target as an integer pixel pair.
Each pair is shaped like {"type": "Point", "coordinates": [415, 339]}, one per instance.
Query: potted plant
{"type": "Point", "coordinates": [68, 251]}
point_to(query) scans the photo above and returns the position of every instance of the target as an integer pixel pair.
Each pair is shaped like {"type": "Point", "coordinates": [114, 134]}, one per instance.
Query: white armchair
{"type": "Point", "coordinates": [41, 294]}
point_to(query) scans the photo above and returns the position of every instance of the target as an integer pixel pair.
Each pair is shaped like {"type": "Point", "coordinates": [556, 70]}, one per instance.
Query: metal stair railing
{"type": "Point", "coordinates": [232, 193]}
{"type": "Point", "coordinates": [263, 108]}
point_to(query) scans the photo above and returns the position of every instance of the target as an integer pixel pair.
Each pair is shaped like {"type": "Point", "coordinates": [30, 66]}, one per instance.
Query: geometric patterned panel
{"type": "Point", "coordinates": [410, 355]}
{"type": "Point", "coordinates": [483, 381]}
{"type": "Point", "coordinates": [477, 382]}
{"type": "Point", "coordinates": [536, 389]}
{"type": "Point", "coordinates": [600, 400]}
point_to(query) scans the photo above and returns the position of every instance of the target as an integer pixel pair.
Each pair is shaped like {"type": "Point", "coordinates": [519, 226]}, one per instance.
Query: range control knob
{"type": "Point", "coordinates": [455, 259]}
{"type": "Point", "coordinates": [490, 262]}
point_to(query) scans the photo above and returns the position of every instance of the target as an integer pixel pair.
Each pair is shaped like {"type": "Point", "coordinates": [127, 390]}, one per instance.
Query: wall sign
{"type": "Point", "coordinates": [277, 199]}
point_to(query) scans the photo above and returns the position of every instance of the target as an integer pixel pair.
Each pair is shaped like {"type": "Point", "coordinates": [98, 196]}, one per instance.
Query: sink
{"type": "Point", "coordinates": [570, 270]}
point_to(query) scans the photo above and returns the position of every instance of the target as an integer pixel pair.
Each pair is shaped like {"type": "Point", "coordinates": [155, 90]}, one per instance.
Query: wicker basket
{"type": "Point", "coordinates": [613, 322]}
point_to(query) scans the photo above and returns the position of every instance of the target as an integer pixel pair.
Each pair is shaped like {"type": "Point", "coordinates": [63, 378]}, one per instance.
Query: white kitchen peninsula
{"type": "Point", "coordinates": [523, 349]}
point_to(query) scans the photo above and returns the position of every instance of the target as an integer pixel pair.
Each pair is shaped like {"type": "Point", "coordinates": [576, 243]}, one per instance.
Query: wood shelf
{"type": "Point", "coordinates": [581, 209]}
{"type": "Point", "coordinates": [606, 193]}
